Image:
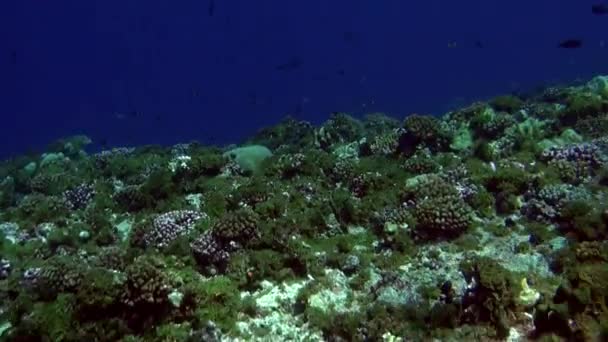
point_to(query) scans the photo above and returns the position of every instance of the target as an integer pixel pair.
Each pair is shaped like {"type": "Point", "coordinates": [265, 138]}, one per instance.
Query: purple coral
{"type": "Point", "coordinates": [459, 177]}
{"type": "Point", "coordinates": [208, 250]}
{"type": "Point", "coordinates": [79, 197]}
{"type": "Point", "coordinates": [575, 163]}
{"type": "Point", "coordinates": [584, 152]}
{"type": "Point", "coordinates": [546, 204]}
{"type": "Point", "coordinates": [169, 226]}
{"type": "Point", "coordinates": [232, 232]}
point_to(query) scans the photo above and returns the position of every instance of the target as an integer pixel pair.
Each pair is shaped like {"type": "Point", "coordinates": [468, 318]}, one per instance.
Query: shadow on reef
{"type": "Point", "coordinates": [487, 223]}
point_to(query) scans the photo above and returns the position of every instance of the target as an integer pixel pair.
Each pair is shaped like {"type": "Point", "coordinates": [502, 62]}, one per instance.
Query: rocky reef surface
{"type": "Point", "coordinates": [488, 223]}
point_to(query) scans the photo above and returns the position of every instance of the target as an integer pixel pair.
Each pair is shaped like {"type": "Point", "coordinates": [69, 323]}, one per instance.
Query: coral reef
{"type": "Point", "coordinates": [487, 223]}
{"type": "Point", "coordinates": [169, 226]}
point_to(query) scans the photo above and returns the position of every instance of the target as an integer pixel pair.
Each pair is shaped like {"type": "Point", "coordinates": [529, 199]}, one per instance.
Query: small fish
{"type": "Point", "coordinates": [479, 44]}
{"type": "Point", "coordinates": [570, 44]}
{"type": "Point", "coordinates": [599, 9]}
{"type": "Point", "coordinates": [252, 98]}
{"type": "Point", "coordinates": [230, 60]}
{"type": "Point", "coordinates": [126, 115]}
{"type": "Point", "coordinates": [341, 72]}
{"type": "Point", "coordinates": [211, 8]}
{"type": "Point", "coordinates": [348, 36]}
{"type": "Point", "coordinates": [293, 63]}
{"type": "Point", "coordinates": [13, 57]}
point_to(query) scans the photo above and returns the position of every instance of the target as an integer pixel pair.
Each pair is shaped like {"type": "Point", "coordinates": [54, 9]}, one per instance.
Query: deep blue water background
{"type": "Point", "coordinates": [135, 72]}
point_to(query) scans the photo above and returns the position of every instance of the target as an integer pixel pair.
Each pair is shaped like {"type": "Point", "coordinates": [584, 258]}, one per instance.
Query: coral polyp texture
{"type": "Point", "coordinates": [169, 226]}
{"type": "Point", "coordinates": [487, 223]}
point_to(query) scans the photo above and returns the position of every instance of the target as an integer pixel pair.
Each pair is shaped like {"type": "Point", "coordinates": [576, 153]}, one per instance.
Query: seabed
{"type": "Point", "coordinates": [489, 223]}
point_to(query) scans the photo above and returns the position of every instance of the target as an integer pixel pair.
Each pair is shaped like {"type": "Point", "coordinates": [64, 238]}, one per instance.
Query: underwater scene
{"type": "Point", "coordinates": [227, 170]}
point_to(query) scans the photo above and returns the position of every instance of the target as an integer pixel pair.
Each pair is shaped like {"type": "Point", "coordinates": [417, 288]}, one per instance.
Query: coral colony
{"type": "Point", "coordinates": [487, 223]}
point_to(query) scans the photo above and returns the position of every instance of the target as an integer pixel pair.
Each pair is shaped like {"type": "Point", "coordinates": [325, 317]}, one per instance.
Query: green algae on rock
{"type": "Point", "coordinates": [489, 222]}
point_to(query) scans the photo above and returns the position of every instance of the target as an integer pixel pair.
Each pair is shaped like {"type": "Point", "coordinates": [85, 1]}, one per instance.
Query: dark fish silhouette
{"type": "Point", "coordinates": [132, 114]}
{"type": "Point", "coordinates": [570, 44]}
{"type": "Point", "coordinates": [252, 98]}
{"type": "Point", "coordinates": [293, 63]}
{"type": "Point", "coordinates": [352, 38]}
{"type": "Point", "coordinates": [13, 57]}
{"type": "Point", "coordinates": [599, 9]}
{"type": "Point", "coordinates": [211, 8]}
{"type": "Point", "coordinates": [479, 44]}
{"type": "Point", "coordinates": [103, 142]}
{"type": "Point", "coordinates": [230, 60]}
{"type": "Point", "coordinates": [341, 72]}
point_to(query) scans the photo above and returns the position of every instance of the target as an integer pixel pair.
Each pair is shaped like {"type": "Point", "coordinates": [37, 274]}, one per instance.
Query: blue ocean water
{"type": "Point", "coordinates": [159, 72]}
{"type": "Point", "coordinates": [445, 177]}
